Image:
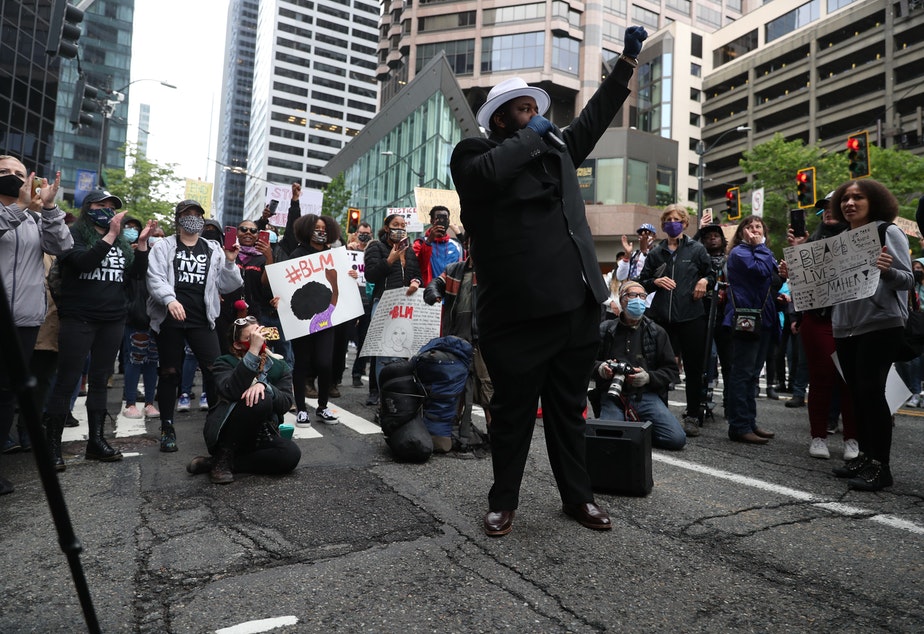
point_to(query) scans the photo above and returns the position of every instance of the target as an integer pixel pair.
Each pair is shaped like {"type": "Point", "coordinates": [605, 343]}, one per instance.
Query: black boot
{"type": "Point", "coordinates": [97, 447]}
{"type": "Point", "coordinates": [223, 465]}
{"type": "Point", "coordinates": [54, 427]}
{"type": "Point", "coordinates": [167, 437]}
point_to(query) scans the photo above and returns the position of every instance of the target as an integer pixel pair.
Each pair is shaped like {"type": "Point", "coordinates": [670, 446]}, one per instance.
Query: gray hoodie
{"type": "Point", "coordinates": [888, 307]}
{"type": "Point", "coordinates": [23, 240]}
{"type": "Point", "coordinates": [223, 277]}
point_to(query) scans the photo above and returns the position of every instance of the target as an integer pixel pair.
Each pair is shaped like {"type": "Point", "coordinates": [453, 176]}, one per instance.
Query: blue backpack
{"type": "Point", "coordinates": [442, 367]}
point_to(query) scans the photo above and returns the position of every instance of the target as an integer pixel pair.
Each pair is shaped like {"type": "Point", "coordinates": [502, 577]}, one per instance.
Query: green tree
{"type": "Point", "coordinates": [146, 191]}
{"type": "Point", "coordinates": [336, 198]}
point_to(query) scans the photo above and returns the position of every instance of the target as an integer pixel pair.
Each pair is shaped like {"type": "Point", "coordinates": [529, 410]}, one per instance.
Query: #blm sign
{"type": "Point", "coordinates": [401, 325]}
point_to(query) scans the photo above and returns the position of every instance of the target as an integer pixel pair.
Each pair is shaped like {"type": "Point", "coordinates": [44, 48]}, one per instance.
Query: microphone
{"type": "Point", "coordinates": [552, 139]}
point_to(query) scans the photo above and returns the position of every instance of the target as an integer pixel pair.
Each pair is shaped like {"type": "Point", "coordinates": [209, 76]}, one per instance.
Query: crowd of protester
{"type": "Point", "coordinates": [168, 306]}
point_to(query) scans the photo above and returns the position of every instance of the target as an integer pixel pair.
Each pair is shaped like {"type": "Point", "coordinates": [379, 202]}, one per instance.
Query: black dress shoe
{"type": "Point", "coordinates": [498, 523]}
{"type": "Point", "coordinates": [750, 438]}
{"type": "Point", "coordinates": [589, 515]}
{"type": "Point", "coordinates": [763, 433]}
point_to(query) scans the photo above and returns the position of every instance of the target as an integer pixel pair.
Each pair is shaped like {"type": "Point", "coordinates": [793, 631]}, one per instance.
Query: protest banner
{"type": "Point", "coordinates": [839, 269]}
{"type": "Point", "coordinates": [315, 292]}
{"type": "Point", "coordinates": [358, 264]}
{"type": "Point", "coordinates": [401, 325]}
{"type": "Point", "coordinates": [910, 227]}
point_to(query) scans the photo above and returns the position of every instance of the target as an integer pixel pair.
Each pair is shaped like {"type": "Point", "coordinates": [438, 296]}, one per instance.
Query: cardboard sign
{"type": "Point", "coordinates": [427, 199]}
{"type": "Point", "coordinates": [401, 325]}
{"type": "Point", "coordinates": [413, 223]}
{"type": "Point", "coordinates": [305, 287]}
{"type": "Point", "coordinates": [836, 270]}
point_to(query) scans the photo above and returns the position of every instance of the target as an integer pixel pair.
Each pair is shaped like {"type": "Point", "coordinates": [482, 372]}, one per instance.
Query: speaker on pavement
{"type": "Point", "coordinates": [619, 456]}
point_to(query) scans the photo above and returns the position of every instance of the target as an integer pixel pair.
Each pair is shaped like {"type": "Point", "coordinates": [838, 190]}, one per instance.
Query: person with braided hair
{"type": "Point", "coordinates": [254, 390]}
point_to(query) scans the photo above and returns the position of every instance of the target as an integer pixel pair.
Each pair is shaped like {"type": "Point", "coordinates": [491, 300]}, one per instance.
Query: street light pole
{"type": "Point", "coordinates": [701, 150]}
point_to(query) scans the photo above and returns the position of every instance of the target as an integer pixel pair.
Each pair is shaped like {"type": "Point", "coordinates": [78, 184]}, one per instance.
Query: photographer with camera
{"type": "Point", "coordinates": [634, 369]}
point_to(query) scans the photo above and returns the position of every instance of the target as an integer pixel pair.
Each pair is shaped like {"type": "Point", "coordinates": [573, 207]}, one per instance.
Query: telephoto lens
{"type": "Point", "coordinates": [620, 371]}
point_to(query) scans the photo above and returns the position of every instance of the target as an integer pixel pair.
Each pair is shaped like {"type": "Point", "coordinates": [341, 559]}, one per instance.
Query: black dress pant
{"type": "Point", "coordinates": [549, 357]}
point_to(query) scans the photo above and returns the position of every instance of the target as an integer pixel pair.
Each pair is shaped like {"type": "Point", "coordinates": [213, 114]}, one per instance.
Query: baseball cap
{"type": "Point", "coordinates": [646, 227]}
{"type": "Point", "coordinates": [183, 205]}
{"type": "Point", "coordinates": [99, 195]}
{"type": "Point", "coordinates": [711, 227]}
{"type": "Point", "coordinates": [504, 92]}
{"type": "Point", "coordinates": [821, 203]}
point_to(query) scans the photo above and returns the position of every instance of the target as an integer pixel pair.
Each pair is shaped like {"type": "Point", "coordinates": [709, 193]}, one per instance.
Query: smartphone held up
{"type": "Point", "coordinates": [230, 238]}
{"type": "Point", "coordinates": [797, 222]}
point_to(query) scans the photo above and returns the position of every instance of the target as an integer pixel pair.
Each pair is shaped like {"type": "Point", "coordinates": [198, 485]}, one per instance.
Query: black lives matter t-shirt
{"type": "Point", "coordinates": [190, 269]}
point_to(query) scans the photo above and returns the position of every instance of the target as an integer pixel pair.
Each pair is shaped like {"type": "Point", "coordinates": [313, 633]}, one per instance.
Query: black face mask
{"type": "Point", "coordinates": [10, 184]}
{"type": "Point", "coordinates": [919, 276]}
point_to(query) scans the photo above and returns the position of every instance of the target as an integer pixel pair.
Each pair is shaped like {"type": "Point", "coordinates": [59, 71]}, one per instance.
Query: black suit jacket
{"type": "Point", "coordinates": [522, 208]}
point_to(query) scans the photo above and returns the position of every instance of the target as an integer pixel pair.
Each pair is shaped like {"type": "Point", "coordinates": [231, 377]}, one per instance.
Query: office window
{"type": "Point", "coordinates": [513, 52]}
{"type": "Point", "coordinates": [565, 54]}
{"type": "Point", "coordinates": [793, 20]}
{"type": "Point", "coordinates": [459, 53]}
{"type": "Point", "coordinates": [610, 181]}
{"type": "Point", "coordinates": [637, 182]}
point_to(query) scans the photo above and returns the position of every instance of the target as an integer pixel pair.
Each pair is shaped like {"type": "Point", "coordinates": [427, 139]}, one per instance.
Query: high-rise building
{"type": "Point", "coordinates": [105, 58]}
{"type": "Point", "coordinates": [234, 121]}
{"type": "Point", "coordinates": [314, 88]}
{"type": "Point", "coordinates": [28, 86]}
{"type": "Point", "coordinates": [144, 129]}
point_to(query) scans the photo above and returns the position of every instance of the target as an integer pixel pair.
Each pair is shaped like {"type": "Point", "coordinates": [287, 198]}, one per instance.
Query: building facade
{"type": "Point", "coordinates": [314, 88]}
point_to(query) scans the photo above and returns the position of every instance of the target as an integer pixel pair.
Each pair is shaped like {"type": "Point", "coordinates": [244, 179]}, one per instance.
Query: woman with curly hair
{"type": "Point", "coordinates": [867, 331]}
{"type": "Point", "coordinates": [91, 311]}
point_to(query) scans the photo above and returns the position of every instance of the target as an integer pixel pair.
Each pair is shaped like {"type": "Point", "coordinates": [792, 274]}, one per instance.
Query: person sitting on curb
{"type": "Point", "coordinates": [254, 389]}
{"type": "Point", "coordinates": [634, 340]}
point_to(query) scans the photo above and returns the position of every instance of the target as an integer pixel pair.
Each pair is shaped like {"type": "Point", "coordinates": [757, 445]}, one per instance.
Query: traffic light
{"type": "Point", "coordinates": [805, 185]}
{"type": "Point", "coordinates": [63, 29]}
{"type": "Point", "coordinates": [733, 200]}
{"type": "Point", "coordinates": [86, 102]}
{"type": "Point", "coordinates": [858, 154]}
{"type": "Point", "coordinates": [353, 222]}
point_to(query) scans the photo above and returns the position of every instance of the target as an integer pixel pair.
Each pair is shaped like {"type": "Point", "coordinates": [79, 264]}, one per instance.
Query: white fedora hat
{"type": "Point", "coordinates": [504, 92]}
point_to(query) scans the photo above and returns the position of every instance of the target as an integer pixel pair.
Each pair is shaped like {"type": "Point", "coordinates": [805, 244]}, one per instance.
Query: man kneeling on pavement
{"type": "Point", "coordinates": [640, 352]}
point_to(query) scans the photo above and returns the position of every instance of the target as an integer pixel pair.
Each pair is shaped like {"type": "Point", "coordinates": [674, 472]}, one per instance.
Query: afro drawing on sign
{"type": "Point", "coordinates": [315, 301]}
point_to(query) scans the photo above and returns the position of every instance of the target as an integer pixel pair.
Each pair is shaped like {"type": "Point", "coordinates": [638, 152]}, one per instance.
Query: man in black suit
{"type": "Point", "coordinates": [539, 283]}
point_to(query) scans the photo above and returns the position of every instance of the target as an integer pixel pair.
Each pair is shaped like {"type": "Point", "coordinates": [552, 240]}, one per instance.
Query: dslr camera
{"type": "Point", "coordinates": [620, 372]}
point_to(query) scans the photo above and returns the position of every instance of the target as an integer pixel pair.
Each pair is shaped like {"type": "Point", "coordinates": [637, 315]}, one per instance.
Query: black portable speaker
{"type": "Point", "coordinates": [619, 456]}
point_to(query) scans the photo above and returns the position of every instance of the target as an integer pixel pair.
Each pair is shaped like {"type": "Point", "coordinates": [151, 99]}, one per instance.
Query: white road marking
{"type": "Point", "coordinates": [838, 508]}
{"type": "Point", "coordinates": [262, 625]}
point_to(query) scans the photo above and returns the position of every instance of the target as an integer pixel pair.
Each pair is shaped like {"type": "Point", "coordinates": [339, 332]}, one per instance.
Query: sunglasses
{"type": "Point", "coordinates": [247, 230]}
{"type": "Point", "coordinates": [243, 321]}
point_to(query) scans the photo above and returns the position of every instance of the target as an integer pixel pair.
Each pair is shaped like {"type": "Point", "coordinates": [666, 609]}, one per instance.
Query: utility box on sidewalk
{"type": "Point", "coordinates": [619, 456]}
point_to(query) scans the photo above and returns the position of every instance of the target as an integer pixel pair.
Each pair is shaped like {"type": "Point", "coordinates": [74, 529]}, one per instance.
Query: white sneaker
{"type": "Point", "coordinates": [151, 412]}
{"type": "Point", "coordinates": [914, 401]}
{"type": "Point", "coordinates": [301, 420]}
{"type": "Point", "coordinates": [819, 448]}
{"type": "Point", "coordinates": [182, 404]}
{"type": "Point", "coordinates": [327, 416]}
{"type": "Point", "coordinates": [203, 403]}
{"type": "Point", "coordinates": [132, 411]}
{"type": "Point", "coordinates": [851, 449]}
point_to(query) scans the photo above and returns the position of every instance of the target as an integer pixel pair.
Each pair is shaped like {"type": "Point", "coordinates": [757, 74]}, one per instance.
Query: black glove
{"type": "Point", "coordinates": [635, 35]}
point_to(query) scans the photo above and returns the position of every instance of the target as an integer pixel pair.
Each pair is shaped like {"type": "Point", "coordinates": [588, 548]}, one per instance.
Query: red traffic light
{"type": "Point", "coordinates": [730, 194]}
{"type": "Point", "coordinates": [802, 177]}
{"type": "Point", "coordinates": [853, 144]}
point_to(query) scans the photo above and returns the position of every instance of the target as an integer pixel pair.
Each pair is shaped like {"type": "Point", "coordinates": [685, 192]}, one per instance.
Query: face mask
{"type": "Point", "coordinates": [212, 234]}
{"type": "Point", "coordinates": [273, 238]}
{"type": "Point", "coordinates": [191, 224]}
{"type": "Point", "coordinates": [319, 237]}
{"type": "Point", "coordinates": [397, 235]}
{"type": "Point", "coordinates": [919, 276]}
{"type": "Point", "coordinates": [101, 217]}
{"type": "Point", "coordinates": [154, 240]}
{"type": "Point", "coordinates": [672, 228]}
{"type": "Point", "coordinates": [130, 234]}
{"type": "Point", "coordinates": [635, 308]}
{"type": "Point", "coordinates": [364, 237]}
{"type": "Point", "coordinates": [10, 185]}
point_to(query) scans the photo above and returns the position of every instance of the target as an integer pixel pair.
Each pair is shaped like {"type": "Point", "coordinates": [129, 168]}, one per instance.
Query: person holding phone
{"type": "Point", "coordinates": [186, 276]}
{"type": "Point", "coordinates": [435, 250]}
{"type": "Point", "coordinates": [389, 263]}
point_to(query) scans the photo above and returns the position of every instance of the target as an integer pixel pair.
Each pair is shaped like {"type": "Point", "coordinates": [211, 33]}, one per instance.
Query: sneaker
{"type": "Point", "coordinates": [151, 412]}
{"type": "Point", "coordinates": [182, 405]}
{"type": "Point", "coordinates": [334, 391]}
{"type": "Point", "coordinates": [357, 381]}
{"type": "Point", "coordinates": [874, 477]}
{"type": "Point", "coordinates": [373, 399]}
{"type": "Point", "coordinates": [301, 419]}
{"type": "Point", "coordinates": [168, 439]}
{"type": "Point", "coordinates": [327, 416]}
{"type": "Point", "coordinates": [819, 448]}
{"type": "Point", "coordinates": [203, 403]}
{"type": "Point", "coordinates": [832, 427]}
{"type": "Point", "coordinates": [851, 449]}
{"type": "Point", "coordinates": [852, 467]}
{"type": "Point", "coordinates": [11, 446]}
{"type": "Point", "coordinates": [71, 421]}
{"type": "Point", "coordinates": [691, 426]}
{"type": "Point", "coordinates": [132, 412]}
{"type": "Point", "coordinates": [914, 401]}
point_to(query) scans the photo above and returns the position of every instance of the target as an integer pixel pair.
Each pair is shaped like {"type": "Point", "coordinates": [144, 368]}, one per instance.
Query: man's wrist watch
{"type": "Point", "coordinates": [631, 61]}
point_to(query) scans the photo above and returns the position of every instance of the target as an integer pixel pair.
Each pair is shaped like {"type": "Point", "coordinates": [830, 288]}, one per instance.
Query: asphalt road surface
{"type": "Point", "coordinates": [732, 538]}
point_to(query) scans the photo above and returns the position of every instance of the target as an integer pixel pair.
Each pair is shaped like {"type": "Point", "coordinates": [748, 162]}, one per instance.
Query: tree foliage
{"type": "Point", "coordinates": [146, 191]}
{"type": "Point", "coordinates": [774, 164]}
{"type": "Point", "coordinates": [335, 201]}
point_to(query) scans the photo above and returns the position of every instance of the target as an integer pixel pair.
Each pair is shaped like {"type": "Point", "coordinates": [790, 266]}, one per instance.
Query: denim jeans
{"type": "Point", "coordinates": [748, 356]}
{"type": "Point", "coordinates": [139, 351]}
{"type": "Point", "coordinates": [666, 430]}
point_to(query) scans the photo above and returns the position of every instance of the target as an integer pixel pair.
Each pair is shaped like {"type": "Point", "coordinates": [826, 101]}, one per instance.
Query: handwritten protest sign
{"type": "Point", "coordinates": [315, 292]}
{"type": "Point", "coordinates": [413, 223]}
{"type": "Point", "coordinates": [910, 227]}
{"type": "Point", "coordinates": [401, 325]}
{"type": "Point", "coordinates": [309, 202]}
{"type": "Point", "coordinates": [839, 269]}
{"type": "Point", "coordinates": [428, 198]}
{"type": "Point", "coordinates": [358, 264]}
